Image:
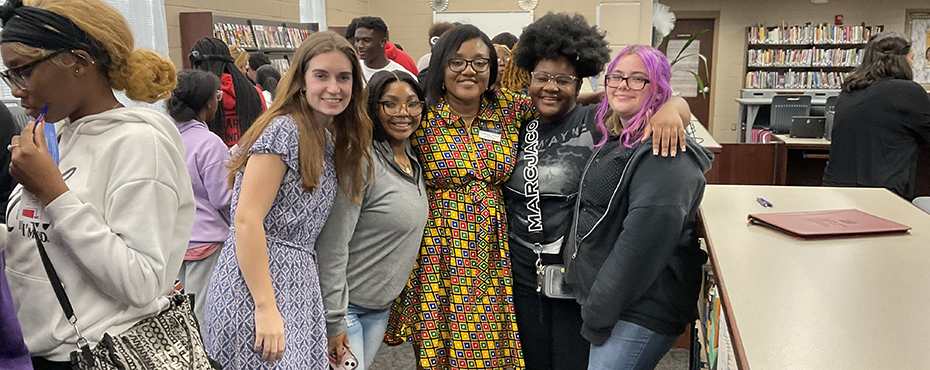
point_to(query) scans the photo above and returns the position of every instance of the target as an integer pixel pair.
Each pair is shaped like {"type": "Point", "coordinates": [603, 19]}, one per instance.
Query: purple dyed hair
{"type": "Point", "coordinates": [658, 92]}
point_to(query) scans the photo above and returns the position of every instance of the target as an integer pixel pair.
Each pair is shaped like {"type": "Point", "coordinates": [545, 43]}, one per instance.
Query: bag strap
{"type": "Point", "coordinates": [62, 296]}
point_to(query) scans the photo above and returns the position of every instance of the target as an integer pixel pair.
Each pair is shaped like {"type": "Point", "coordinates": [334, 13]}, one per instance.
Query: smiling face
{"type": "Point", "coordinates": [399, 127]}
{"type": "Point", "coordinates": [553, 101]}
{"type": "Point", "coordinates": [468, 85]}
{"type": "Point", "coordinates": [624, 101]}
{"type": "Point", "coordinates": [44, 81]}
{"type": "Point", "coordinates": [328, 84]}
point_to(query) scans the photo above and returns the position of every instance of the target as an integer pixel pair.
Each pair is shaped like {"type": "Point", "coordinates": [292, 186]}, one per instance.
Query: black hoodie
{"type": "Point", "coordinates": [636, 257]}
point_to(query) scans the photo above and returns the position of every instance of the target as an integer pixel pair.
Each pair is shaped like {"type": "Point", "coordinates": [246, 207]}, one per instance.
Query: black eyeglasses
{"type": "Point", "coordinates": [413, 108]}
{"type": "Point", "coordinates": [19, 77]}
{"type": "Point", "coordinates": [542, 78]}
{"type": "Point", "coordinates": [478, 65]}
{"type": "Point", "coordinates": [635, 83]}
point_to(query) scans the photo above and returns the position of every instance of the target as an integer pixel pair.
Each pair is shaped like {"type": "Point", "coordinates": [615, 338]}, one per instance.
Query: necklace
{"type": "Point", "coordinates": [405, 167]}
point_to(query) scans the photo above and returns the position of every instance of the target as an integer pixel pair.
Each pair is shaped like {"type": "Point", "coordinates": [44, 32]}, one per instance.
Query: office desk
{"type": "Point", "coordinates": [804, 160]}
{"type": "Point", "coordinates": [855, 303]}
{"type": "Point", "coordinates": [749, 109]}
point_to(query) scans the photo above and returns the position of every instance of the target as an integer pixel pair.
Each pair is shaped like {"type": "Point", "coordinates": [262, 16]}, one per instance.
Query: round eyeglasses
{"type": "Point", "coordinates": [542, 78]}
{"type": "Point", "coordinates": [19, 77]}
{"type": "Point", "coordinates": [413, 108]}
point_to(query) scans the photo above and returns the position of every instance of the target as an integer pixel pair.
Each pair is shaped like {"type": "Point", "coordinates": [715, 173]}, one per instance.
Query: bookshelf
{"type": "Point", "coordinates": [805, 57]}
{"type": "Point", "coordinates": [279, 40]}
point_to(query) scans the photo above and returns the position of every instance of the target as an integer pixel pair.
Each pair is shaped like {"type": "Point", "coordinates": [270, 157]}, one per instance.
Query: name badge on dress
{"type": "Point", "coordinates": [490, 134]}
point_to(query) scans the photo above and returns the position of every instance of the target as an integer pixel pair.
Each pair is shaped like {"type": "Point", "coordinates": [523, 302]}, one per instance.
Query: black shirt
{"type": "Point", "coordinates": [876, 134]}
{"type": "Point", "coordinates": [564, 149]}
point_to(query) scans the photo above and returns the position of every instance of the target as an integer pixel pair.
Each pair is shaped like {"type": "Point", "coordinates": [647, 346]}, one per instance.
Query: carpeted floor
{"type": "Point", "coordinates": [401, 358]}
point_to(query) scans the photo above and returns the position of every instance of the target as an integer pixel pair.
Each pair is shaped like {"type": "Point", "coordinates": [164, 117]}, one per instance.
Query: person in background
{"type": "Point", "coordinates": [13, 352]}
{"type": "Point", "coordinates": [460, 291]}
{"type": "Point", "coordinates": [267, 78]}
{"type": "Point", "coordinates": [503, 56]}
{"type": "Point", "coordinates": [632, 254]}
{"type": "Point", "coordinates": [882, 117]}
{"type": "Point", "coordinates": [8, 129]}
{"type": "Point", "coordinates": [505, 38]}
{"type": "Point", "coordinates": [242, 101]}
{"type": "Point", "coordinates": [264, 306]}
{"type": "Point", "coordinates": [240, 58]}
{"type": "Point", "coordinates": [436, 30]}
{"type": "Point", "coordinates": [191, 104]}
{"type": "Point", "coordinates": [561, 49]}
{"type": "Point", "coordinates": [256, 61]}
{"type": "Point", "coordinates": [390, 51]}
{"type": "Point", "coordinates": [366, 252]}
{"type": "Point", "coordinates": [370, 38]}
{"type": "Point", "coordinates": [116, 211]}
{"type": "Point", "coordinates": [515, 79]}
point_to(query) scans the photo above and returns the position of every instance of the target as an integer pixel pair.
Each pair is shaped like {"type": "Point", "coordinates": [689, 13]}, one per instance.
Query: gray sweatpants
{"type": "Point", "coordinates": [195, 276]}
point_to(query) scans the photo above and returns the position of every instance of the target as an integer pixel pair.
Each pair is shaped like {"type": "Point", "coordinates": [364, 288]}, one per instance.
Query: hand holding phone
{"type": "Point", "coordinates": [348, 362]}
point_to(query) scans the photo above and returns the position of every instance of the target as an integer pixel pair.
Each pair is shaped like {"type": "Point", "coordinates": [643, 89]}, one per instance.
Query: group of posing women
{"type": "Point", "coordinates": [338, 192]}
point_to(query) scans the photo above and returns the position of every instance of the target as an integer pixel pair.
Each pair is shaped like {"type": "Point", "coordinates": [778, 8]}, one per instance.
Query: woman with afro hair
{"type": "Point", "coordinates": [559, 50]}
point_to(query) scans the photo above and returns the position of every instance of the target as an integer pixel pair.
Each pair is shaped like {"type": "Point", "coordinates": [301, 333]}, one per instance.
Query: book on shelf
{"type": "Point", "coordinates": [809, 33]}
{"type": "Point", "coordinates": [281, 65]}
{"type": "Point", "coordinates": [794, 80]}
{"type": "Point", "coordinates": [813, 57]}
{"type": "Point", "coordinates": [260, 36]}
{"type": "Point", "coordinates": [234, 34]}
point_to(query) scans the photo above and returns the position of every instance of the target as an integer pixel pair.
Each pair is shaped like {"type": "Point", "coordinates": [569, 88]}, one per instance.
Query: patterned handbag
{"type": "Point", "coordinates": [169, 340]}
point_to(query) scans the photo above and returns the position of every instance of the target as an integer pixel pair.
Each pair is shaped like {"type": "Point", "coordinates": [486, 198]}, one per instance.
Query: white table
{"type": "Point", "coordinates": [855, 303]}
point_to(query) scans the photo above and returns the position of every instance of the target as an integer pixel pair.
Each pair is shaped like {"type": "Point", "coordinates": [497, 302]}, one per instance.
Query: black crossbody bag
{"type": "Point", "coordinates": [169, 340]}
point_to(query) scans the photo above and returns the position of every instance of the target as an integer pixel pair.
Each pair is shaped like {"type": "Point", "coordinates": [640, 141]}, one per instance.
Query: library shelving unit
{"type": "Point", "coordinates": [803, 57]}
{"type": "Point", "coordinates": [278, 40]}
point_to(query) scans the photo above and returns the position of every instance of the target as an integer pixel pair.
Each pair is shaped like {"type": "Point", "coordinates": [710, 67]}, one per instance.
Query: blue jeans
{"type": "Point", "coordinates": [630, 347]}
{"type": "Point", "coordinates": [365, 328]}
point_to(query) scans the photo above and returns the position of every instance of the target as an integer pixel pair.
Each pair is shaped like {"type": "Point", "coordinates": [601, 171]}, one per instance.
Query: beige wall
{"type": "Point", "coordinates": [409, 20]}
{"type": "Point", "coordinates": [736, 15]}
{"type": "Point", "coordinates": [283, 10]}
{"type": "Point", "coordinates": [341, 12]}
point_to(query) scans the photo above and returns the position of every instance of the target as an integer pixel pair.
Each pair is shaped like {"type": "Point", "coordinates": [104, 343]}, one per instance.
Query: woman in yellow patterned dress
{"type": "Point", "coordinates": [457, 307]}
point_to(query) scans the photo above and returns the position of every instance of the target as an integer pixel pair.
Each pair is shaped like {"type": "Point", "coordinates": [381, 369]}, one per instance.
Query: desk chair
{"type": "Point", "coordinates": [830, 109]}
{"type": "Point", "coordinates": [784, 107]}
{"type": "Point", "coordinates": [923, 203]}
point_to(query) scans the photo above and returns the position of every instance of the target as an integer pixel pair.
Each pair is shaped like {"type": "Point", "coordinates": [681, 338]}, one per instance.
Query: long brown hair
{"type": "Point", "coordinates": [352, 127]}
{"type": "Point", "coordinates": [885, 56]}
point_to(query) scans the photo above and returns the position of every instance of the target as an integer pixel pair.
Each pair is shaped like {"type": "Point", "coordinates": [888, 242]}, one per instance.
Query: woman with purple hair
{"type": "Point", "coordinates": [632, 255]}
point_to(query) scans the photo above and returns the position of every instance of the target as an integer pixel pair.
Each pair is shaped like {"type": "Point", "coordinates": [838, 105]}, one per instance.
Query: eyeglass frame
{"type": "Point", "coordinates": [405, 105]}
{"type": "Point", "coordinates": [470, 63]}
{"type": "Point", "coordinates": [8, 75]}
{"type": "Point", "coordinates": [626, 80]}
{"type": "Point", "coordinates": [553, 78]}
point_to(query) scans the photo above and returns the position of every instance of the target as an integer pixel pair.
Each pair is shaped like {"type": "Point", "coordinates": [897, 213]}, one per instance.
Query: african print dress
{"type": "Point", "coordinates": [458, 304]}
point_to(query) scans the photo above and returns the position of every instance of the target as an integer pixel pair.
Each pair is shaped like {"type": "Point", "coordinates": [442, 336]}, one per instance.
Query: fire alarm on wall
{"type": "Point", "coordinates": [838, 20]}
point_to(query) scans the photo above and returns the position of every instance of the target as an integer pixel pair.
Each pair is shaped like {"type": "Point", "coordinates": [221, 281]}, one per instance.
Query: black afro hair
{"type": "Point", "coordinates": [558, 35]}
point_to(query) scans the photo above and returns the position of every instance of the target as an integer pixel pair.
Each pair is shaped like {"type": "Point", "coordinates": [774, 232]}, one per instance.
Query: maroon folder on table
{"type": "Point", "coordinates": [827, 224]}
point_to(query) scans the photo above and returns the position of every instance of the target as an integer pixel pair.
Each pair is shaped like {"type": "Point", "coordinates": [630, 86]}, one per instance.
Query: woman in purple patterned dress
{"type": "Point", "coordinates": [264, 307]}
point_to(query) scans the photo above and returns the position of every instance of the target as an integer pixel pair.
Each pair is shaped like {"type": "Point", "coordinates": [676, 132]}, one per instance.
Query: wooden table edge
{"type": "Point", "coordinates": [741, 362]}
